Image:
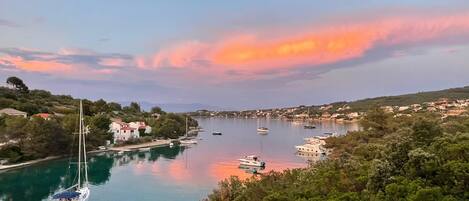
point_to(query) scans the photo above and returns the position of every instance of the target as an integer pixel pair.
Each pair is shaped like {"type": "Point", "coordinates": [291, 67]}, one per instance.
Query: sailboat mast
{"type": "Point", "coordinates": [79, 144]}
{"type": "Point", "coordinates": [186, 127]}
{"type": "Point", "coordinates": [84, 149]}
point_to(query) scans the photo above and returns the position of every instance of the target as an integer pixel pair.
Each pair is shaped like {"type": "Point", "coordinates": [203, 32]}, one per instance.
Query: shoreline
{"type": "Point", "coordinates": [5, 168]}
{"type": "Point", "coordinates": [142, 145]}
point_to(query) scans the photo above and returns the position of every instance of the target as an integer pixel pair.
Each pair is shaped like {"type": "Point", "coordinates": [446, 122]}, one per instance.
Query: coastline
{"type": "Point", "coordinates": [4, 168]}
{"type": "Point", "coordinates": [142, 145]}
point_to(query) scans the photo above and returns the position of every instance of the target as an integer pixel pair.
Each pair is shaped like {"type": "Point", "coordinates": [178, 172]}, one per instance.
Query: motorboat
{"type": "Point", "coordinates": [262, 130]}
{"type": "Point", "coordinates": [216, 133]}
{"type": "Point", "coordinates": [188, 141]}
{"type": "Point", "coordinates": [251, 160]}
{"type": "Point", "coordinates": [309, 126]}
{"type": "Point", "coordinates": [80, 190]}
{"type": "Point", "coordinates": [311, 148]}
{"type": "Point", "coordinates": [145, 149]}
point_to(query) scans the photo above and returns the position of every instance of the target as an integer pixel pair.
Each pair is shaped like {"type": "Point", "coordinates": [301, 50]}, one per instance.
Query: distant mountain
{"type": "Point", "coordinates": [176, 107]}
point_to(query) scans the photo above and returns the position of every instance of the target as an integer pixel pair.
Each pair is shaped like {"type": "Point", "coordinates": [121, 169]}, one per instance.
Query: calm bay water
{"type": "Point", "coordinates": [177, 173]}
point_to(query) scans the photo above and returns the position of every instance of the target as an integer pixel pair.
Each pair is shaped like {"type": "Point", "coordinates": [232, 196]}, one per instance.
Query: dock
{"type": "Point", "coordinates": [142, 145]}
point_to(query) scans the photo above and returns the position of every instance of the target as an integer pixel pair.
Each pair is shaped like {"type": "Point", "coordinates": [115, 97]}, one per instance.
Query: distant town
{"type": "Point", "coordinates": [344, 112]}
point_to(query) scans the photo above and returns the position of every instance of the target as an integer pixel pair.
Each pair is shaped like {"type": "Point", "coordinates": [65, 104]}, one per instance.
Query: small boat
{"type": "Point", "coordinates": [311, 148]}
{"type": "Point", "coordinates": [171, 144]}
{"type": "Point", "coordinates": [216, 133]}
{"type": "Point", "coordinates": [309, 126]}
{"type": "Point", "coordinates": [188, 141]}
{"type": "Point", "coordinates": [262, 130]}
{"type": "Point", "coordinates": [120, 153]}
{"type": "Point", "coordinates": [251, 160]}
{"type": "Point", "coordinates": [80, 190]}
{"type": "Point", "coordinates": [144, 149]}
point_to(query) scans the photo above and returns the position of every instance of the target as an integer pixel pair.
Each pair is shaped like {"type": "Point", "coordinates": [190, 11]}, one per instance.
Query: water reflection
{"type": "Point", "coordinates": [173, 173]}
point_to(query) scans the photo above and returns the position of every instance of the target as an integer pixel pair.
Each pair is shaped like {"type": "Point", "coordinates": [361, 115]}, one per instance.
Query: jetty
{"type": "Point", "coordinates": [142, 145]}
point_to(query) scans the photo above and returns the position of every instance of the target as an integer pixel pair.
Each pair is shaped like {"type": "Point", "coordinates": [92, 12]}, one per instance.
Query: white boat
{"type": "Point", "coordinates": [251, 160]}
{"type": "Point", "coordinates": [80, 190]}
{"type": "Point", "coordinates": [311, 148]}
{"type": "Point", "coordinates": [188, 141]}
{"type": "Point", "coordinates": [144, 149]}
{"type": "Point", "coordinates": [262, 130]}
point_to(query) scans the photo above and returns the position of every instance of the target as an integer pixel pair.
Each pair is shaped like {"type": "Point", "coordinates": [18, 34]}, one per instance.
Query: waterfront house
{"type": "Point", "coordinates": [13, 112]}
{"type": "Point", "coordinates": [140, 125]}
{"type": "Point", "coordinates": [123, 131]}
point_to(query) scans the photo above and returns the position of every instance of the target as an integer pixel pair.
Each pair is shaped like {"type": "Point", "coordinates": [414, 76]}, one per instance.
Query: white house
{"type": "Point", "coordinates": [13, 112]}
{"type": "Point", "coordinates": [140, 125]}
{"type": "Point", "coordinates": [123, 132]}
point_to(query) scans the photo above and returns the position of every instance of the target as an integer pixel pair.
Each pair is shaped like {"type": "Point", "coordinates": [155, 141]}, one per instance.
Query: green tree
{"type": "Point", "coordinates": [18, 84]}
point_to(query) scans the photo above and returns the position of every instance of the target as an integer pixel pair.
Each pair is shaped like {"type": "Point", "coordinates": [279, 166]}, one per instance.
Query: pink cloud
{"type": "Point", "coordinates": [250, 55]}
{"type": "Point", "coordinates": [114, 62]}
{"type": "Point", "coordinates": [35, 65]}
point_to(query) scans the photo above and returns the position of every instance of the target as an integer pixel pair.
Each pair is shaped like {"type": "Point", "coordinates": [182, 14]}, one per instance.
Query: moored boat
{"type": "Point", "coordinates": [188, 141]}
{"type": "Point", "coordinates": [144, 149]}
{"type": "Point", "coordinates": [216, 133]}
{"type": "Point", "coordinates": [309, 126]}
{"type": "Point", "coordinates": [262, 130]}
{"type": "Point", "coordinates": [251, 160]}
{"type": "Point", "coordinates": [80, 190]}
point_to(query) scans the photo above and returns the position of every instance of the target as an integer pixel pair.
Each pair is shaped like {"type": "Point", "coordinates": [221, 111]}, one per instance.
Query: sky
{"type": "Point", "coordinates": [235, 54]}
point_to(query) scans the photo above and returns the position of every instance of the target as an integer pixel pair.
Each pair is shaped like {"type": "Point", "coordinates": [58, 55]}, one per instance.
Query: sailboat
{"type": "Point", "coordinates": [80, 190]}
{"type": "Point", "coordinates": [186, 140]}
{"type": "Point", "coordinates": [261, 130]}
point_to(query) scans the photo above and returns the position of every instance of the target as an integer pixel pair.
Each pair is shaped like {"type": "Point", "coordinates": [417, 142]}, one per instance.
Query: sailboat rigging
{"type": "Point", "coordinates": [80, 190]}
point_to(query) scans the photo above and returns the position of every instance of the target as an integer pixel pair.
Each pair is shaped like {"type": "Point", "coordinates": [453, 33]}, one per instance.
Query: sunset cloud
{"type": "Point", "coordinates": [252, 54]}
{"type": "Point", "coordinates": [66, 62]}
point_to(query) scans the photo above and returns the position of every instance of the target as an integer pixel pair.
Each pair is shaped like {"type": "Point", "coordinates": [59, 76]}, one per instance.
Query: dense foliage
{"type": "Point", "coordinates": [420, 158]}
{"type": "Point", "coordinates": [35, 137]}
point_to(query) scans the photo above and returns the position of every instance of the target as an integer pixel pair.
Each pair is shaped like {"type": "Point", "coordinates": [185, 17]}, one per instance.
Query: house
{"type": "Point", "coordinates": [353, 115]}
{"type": "Point", "coordinates": [403, 108]}
{"type": "Point", "coordinates": [123, 131]}
{"type": "Point", "coordinates": [13, 112]}
{"type": "Point", "coordinates": [45, 116]}
{"type": "Point", "coordinates": [140, 125]}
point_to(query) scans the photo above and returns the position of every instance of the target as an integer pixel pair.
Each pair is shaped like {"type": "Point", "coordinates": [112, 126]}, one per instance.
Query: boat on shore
{"type": "Point", "coordinates": [188, 141]}
{"type": "Point", "coordinates": [251, 160]}
{"type": "Point", "coordinates": [145, 149]}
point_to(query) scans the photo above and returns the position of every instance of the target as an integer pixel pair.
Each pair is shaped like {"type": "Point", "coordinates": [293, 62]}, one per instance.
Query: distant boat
{"type": "Point", "coordinates": [313, 145]}
{"type": "Point", "coordinates": [309, 126]}
{"type": "Point", "coordinates": [262, 130]}
{"type": "Point", "coordinates": [145, 149]}
{"type": "Point", "coordinates": [216, 133]}
{"type": "Point", "coordinates": [251, 160]}
{"type": "Point", "coordinates": [79, 191]}
{"type": "Point", "coordinates": [188, 141]}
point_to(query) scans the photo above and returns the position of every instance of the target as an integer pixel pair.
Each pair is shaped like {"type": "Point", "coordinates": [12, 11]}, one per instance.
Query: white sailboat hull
{"type": "Point", "coordinates": [84, 194]}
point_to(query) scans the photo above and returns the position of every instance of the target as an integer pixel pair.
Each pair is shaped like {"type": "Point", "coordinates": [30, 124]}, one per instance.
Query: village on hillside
{"type": "Point", "coordinates": [330, 112]}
